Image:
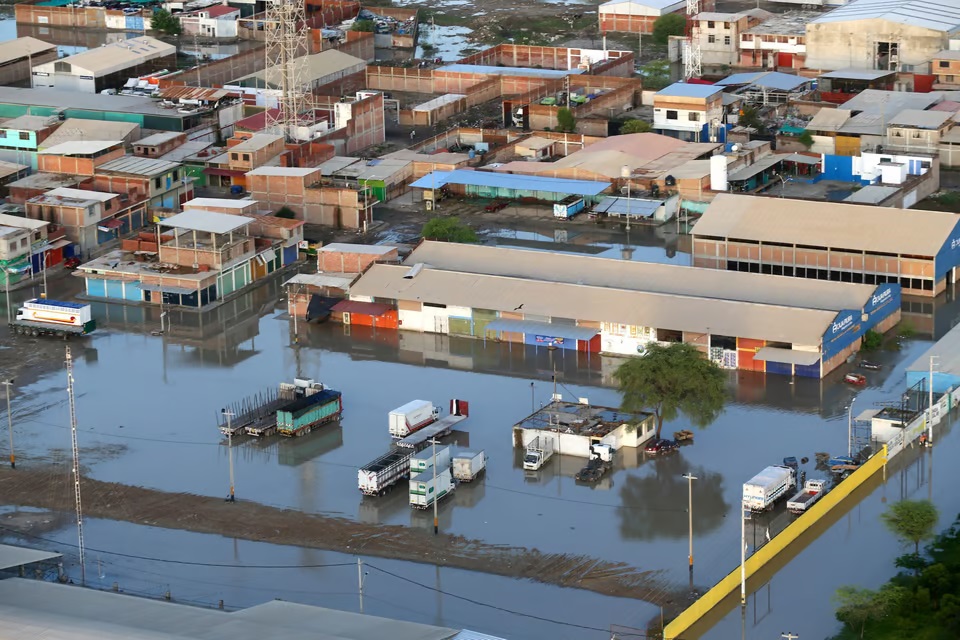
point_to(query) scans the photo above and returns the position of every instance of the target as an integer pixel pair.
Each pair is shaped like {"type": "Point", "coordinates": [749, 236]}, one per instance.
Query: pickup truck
{"type": "Point", "coordinates": [812, 491]}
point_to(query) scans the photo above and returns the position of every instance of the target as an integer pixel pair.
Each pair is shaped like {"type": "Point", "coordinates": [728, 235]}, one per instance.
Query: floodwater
{"type": "Point", "coordinates": [146, 407]}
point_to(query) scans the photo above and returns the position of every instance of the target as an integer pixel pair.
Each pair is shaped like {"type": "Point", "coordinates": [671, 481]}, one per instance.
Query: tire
{"type": "Point", "coordinates": [34, 333]}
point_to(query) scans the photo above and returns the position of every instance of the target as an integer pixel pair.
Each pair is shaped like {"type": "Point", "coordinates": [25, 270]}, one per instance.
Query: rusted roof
{"type": "Point", "coordinates": [363, 308]}
{"type": "Point", "coordinates": [196, 93]}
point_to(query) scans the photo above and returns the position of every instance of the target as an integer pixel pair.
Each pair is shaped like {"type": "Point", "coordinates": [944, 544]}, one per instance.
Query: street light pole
{"type": "Point", "coordinates": [13, 458]}
{"type": "Point", "coordinates": [930, 403]}
{"type": "Point", "coordinates": [743, 555]}
{"type": "Point", "coordinates": [436, 521]}
{"type": "Point", "coordinates": [850, 427]}
{"type": "Point", "coordinates": [690, 478]}
{"type": "Point", "coordinates": [229, 415]}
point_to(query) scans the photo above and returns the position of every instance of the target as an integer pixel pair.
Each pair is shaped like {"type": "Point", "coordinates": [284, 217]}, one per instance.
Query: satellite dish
{"type": "Point", "coordinates": [735, 148]}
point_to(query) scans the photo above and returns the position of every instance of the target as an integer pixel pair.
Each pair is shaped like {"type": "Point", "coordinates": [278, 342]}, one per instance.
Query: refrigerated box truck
{"type": "Point", "coordinates": [425, 488]}
{"type": "Point", "coordinates": [423, 460]}
{"type": "Point", "coordinates": [467, 465]}
{"type": "Point", "coordinates": [762, 491]}
{"type": "Point", "coordinates": [413, 416]}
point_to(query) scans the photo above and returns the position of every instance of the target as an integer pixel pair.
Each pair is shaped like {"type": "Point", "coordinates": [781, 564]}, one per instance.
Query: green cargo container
{"type": "Point", "coordinates": [301, 415]}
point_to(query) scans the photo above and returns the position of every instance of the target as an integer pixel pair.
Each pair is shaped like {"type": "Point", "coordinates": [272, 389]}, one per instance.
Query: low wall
{"type": "Point", "coordinates": [781, 541]}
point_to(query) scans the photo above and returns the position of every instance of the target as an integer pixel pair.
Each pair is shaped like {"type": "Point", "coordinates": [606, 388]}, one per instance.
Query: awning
{"type": "Point", "coordinates": [268, 256]}
{"type": "Point", "coordinates": [110, 225]}
{"type": "Point", "coordinates": [12, 557]}
{"type": "Point", "coordinates": [788, 356]}
{"type": "Point", "coordinates": [547, 329]}
{"type": "Point", "coordinates": [57, 244]}
{"type": "Point", "coordinates": [147, 286]}
{"type": "Point", "coordinates": [866, 415]}
{"type": "Point", "coordinates": [363, 308]}
{"type": "Point", "coordinates": [214, 171]}
{"type": "Point", "coordinates": [802, 159]}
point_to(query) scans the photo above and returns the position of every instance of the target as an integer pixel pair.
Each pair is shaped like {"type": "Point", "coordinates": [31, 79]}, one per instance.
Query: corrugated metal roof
{"type": "Point", "coordinates": [551, 329]}
{"type": "Point", "coordinates": [920, 119]}
{"type": "Point", "coordinates": [938, 15]}
{"type": "Point", "coordinates": [334, 280]}
{"type": "Point", "coordinates": [362, 308]}
{"type": "Point", "coordinates": [157, 139]}
{"type": "Point", "coordinates": [857, 74]}
{"type": "Point", "coordinates": [138, 166]}
{"type": "Point", "coordinates": [871, 194]}
{"type": "Point", "coordinates": [634, 207]}
{"type": "Point", "coordinates": [301, 172]}
{"type": "Point", "coordinates": [12, 557]}
{"type": "Point", "coordinates": [346, 247]}
{"type": "Point", "coordinates": [21, 48]}
{"type": "Point", "coordinates": [826, 224]}
{"type": "Point", "coordinates": [769, 80]}
{"type": "Point", "coordinates": [80, 147]}
{"type": "Point", "coordinates": [947, 55]}
{"type": "Point", "coordinates": [80, 194]}
{"type": "Point", "coordinates": [438, 179]}
{"type": "Point", "coordinates": [206, 221]}
{"type": "Point", "coordinates": [947, 352]}
{"type": "Point", "coordinates": [688, 90]}
{"type": "Point", "coordinates": [890, 102]}
{"type": "Point", "coordinates": [79, 129]}
{"type": "Point", "coordinates": [791, 356]}
{"type": "Point", "coordinates": [642, 276]}
{"type": "Point", "coordinates": [195, 93]}
{"type": "Point", "coordinates": [596, 303]}
{"type": "Point", "coordinates": [115, 56]}
{"type": "Point", "coordinates": [44, 609]}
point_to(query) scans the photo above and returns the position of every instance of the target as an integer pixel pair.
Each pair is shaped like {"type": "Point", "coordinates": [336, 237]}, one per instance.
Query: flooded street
{"type": "Point", "coordinates": [147, 405]}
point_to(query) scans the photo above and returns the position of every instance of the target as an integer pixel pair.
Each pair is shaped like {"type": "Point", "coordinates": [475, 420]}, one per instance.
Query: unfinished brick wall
{"type": "Point", "coordinates": [621, 64]}
{"type": "Point", "coordinates": [335, 207]}
{"type": "Point", "coordinates": [219, 72]}
{"type": "Point", "coordinates": [75, 166]}
{"type": "Point", "coordinates": [84, 17]}
{"type": "Point", "coordinates": [483, 92]}
{"type": "Point", "coordinates": [351, 262]}
{"type": "Point", "coordinates": [400, 79]}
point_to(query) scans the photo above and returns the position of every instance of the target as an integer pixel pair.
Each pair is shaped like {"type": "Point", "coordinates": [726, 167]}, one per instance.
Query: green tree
{"type": "Point", "coordinates": [858, 607]}
{"type": "Point", "coordinates": [635, 126]}
{"type": "Point", "coordinates": [806, 139]}
{"type": "Point", "coordinates": [565, 120]}
{"type": "Point", "coordinates": [872, 340]}
{"type": "Point", "coordinates": [363, 25]}
{"type": "Point", "coordinates": [911, 521]}
{"type": "Point", "coordinates": [448, 230]}
{"type": "Point", "coordinates": [670, 380]}
{"type": "Point", "coordinates": [750, 117]}
{"type": "Point", "coordinates": [656, 74]}
{"type": "Point", "coordinates": [165, 22]}
{"type": "Point", "coordinates": [671, 24]}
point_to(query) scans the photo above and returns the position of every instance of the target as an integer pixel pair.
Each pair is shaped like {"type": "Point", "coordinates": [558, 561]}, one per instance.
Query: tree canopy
{"type": "Point", "coordinates": [655, 74]}
{"type": "Point", "coordinates": [671, 24]}
{"type": "Point", "coordinates": [448, 230]}
{"type": "Point", "coordinates": [166, 23]}
{"type": "Point", "coordinates": [635, 126]}
{"type": "Point", "coordinates": [565, 120]}
{"type": "Point", "coordinates": [911, 521]}
{"type": "Point", "coordinates": [672, 380]}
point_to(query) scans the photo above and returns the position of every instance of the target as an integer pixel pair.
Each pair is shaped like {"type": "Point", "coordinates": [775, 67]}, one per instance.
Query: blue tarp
{"type": "Point", "coordinates": [518, 182]}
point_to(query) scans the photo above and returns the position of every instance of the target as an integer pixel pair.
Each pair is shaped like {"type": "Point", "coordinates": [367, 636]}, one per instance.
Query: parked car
{"type": "Point", "coordinates": [496, 205]}
{"type": "Point", "coordinates": [661, 446]}
{"type": "Point", "coordinates": [855, 379]}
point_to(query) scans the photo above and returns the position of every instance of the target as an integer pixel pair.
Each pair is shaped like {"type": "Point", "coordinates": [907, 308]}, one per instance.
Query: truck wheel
{"type": "Point", "coordinates": [34, 333]}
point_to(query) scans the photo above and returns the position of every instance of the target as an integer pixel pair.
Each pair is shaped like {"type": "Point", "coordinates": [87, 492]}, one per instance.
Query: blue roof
{"type": "Point", "coordinates": [59, 303]}
{"type": "Point", "coordinates": [768, 80]}
{"type": "Point", "coordinates": [519, 182]}
{"type": "Point", "coordinates": [687, 90]}
{"type": "Point", "coordinates": [509, 71]}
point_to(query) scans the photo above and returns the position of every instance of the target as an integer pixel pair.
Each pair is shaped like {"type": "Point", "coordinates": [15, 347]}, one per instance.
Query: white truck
{"type": "Point", "coordinates": [467, 465]}
{"type": "Point", "coordinates": [379, 476]}
{"type": "Point", "coordinates": [413, 416]}
{"type": "Point", "coordinates": [812, 491]}
{"type": "Point", "coordinates": [538, 452]}
{"type": "Point", "coordinates": [425, 487]}
{"type": "Point", "coordinates": [41, 316]}
{"type": "Point", "coordinates": [424, 459]}
{"type": "Point", "coordinates": [767, 487]}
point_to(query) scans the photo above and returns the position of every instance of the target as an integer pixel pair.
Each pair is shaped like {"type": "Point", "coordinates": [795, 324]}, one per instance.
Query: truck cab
{"type": "Point", "coordinates": [532, 461]}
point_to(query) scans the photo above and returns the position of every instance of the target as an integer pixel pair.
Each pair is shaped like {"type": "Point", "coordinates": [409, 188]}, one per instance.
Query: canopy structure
{"type": "Point", "coordinates": [549, 329]}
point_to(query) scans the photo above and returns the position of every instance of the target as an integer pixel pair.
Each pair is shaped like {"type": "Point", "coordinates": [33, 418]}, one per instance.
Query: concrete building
{"type": "Point", "coordinates": [90, 219]}
{"type": "Point", "coordinates": [162, 183]}
{"type": "Point", "coordinates": [36, 184]}
{"type": "Point", "coordinates": [778, 42]}
{"type": "Point", "coordinates": [80, 158]}
{"type": "Point", "coordinates": [767, 87]}
{"type": "Point", "coordinates": [637, 16]}
{"type": "Point", "coordinates": [574, 427]}
{"type": "Point", "coordinates": [158, 144]}
{"type": "Point", "coordinates": [913, 131]}
{"type": "Point", "coordinates": [874, 34]}
{"type": "Point", "coordinates": [27, 247]}
{"type": "Point", "coordinates": [21, 137]}
{"type": "Point", "coordinates": [217, 21]}
{"type": "Point", "coordinates": [82, 129]}
{"type": "Point", "coordinates": [688, 111]}
{"type": "Point", "coordinates": [18, 55]}
{"type": "Point", "coordinates": [106, 67]}
{"type": "Point", "coordinates": [247, 152]}
{"type": "Point", "coordinates": [300, 189]}
{"type": "Point", "coordinates": [578, 303]}
{"type": "Point", "coordinates": [719, 34]}
{"type": "Point", "coordinates": [830, 241]}
{"type": "Point", "coordinates": [945, 66]}
{"type": "Point", "coordinates": [341, 257]}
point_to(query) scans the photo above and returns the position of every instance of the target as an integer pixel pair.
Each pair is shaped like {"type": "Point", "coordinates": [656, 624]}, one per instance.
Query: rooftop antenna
{"type": "Point", "coordinates": [691, 44]}
{"type": "Point", "coordinates": [76, 463]}
{"type": "Point", "coordinates": [287, 43]}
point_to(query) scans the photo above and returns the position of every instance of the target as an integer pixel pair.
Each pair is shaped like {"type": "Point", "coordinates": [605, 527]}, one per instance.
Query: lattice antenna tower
{"type": "Point", "coordinates": [692, 67]}
{"type": "Point", "coordinates": [286, 41]}
{"type": "Point", "coordinates": [76, 465]}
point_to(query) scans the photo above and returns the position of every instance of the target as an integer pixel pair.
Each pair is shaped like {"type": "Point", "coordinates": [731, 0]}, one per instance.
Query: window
{"type": "Point", "coordinates": [108, 205]}
{"type": "Point", "coordinates": [23, 242]}
{"type": "Point", "coordinates": [944, 64]}
{"type": "Point", "coordinates": [726, 25]}
{"type": "Point", "coordinates": [671, 114]}
{"type": "Point", "coordinates": [234, 156]}
{"type": "Point", "coordinates": [726, 40]}
{"type": "Point", "coordinates": [176, 175]}
{"type": "Point", "coordinates": [3, 134]}
{"type": "Point", "coordinates": [158, 182]}
{"type": "Point", "coordinates": [948, 78]}
{"type": "Point", "coordinates": [246, 157]}
{"type": "Point", "coordinates": [710, 24]}
{"type": "Point", "coordinates": [62, 67]}
{"type": "Point", "coordinates": [24, 135]}
{"type": "Point", "coordinates": [693, 116]}
{"type": "Point", "coordinates": [711, 38]}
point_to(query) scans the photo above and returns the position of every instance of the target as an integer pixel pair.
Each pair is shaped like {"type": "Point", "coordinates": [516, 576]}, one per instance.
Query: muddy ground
{"type": "Point", "coordinates": [50, 488]}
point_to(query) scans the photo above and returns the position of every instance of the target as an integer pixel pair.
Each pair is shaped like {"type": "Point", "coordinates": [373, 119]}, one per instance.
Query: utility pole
{"type": "Point", "coordinates": [625, 173]}
{"type": "Point", "coordinates": [229, 414]}
{"type": "Point", "coordinates": [690, 478]}
{"type": "Point", "coordinates": [360, 581]}
{"type": "Point", "coordinates": [850, 427]}
{"type": "Point", "coordinates": [13, 458]}
{"type": "Point", "coordinates": [933, 363]}
{"type": "Point", "coordinates": [436, 520]}
{"type": "Point", "coordinates": [533, 400]}
{"type": "Point", "coordinates": [743, 555]}
{"type": "Point", "coordinates": [76, 464]}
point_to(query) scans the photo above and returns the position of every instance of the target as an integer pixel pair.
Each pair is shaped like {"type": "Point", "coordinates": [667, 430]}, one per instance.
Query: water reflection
{"type": "Point", "coordinates": [661, 497]}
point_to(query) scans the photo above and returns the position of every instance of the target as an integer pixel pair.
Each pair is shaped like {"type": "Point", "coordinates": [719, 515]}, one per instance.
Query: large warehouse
{"type": "Point", "coordinates": [742, 320]}
{"type": "Point", "coordinates": [919, 250]}
{"type": "Point", "coordinates": [106, 67]}
{"type": "Point", "coordinates": [882, 34]}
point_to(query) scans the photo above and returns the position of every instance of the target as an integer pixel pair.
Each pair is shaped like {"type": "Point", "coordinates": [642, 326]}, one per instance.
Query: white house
{"type": "Point", "coordinates": [683, 110]}
{"type": "Point", "coordinates": [218, 21]}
